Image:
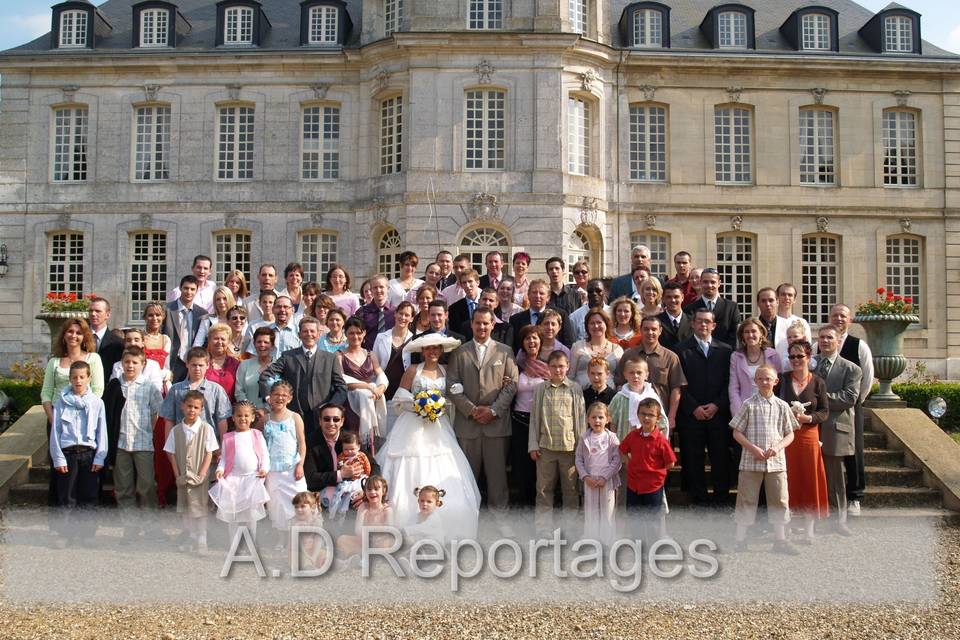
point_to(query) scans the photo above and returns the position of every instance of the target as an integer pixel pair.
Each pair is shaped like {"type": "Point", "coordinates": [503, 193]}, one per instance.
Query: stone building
{"type": "Point", "coordinates": [817, 143]}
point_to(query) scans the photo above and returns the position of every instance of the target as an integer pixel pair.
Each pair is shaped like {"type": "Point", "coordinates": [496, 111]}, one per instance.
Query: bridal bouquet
{"type": "Point", "coordinates": [429, 404]}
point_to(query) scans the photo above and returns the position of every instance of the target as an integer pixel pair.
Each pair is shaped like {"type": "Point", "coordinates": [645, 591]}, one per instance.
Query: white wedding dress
{"type": "Point", "coordinates": [418, 452]}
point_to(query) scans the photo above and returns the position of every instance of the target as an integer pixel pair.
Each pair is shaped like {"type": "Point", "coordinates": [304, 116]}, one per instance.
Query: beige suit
{"type": "Point", "coordinates": [491, 383]}
{"type": "Point", "coordinates": [837, 431]}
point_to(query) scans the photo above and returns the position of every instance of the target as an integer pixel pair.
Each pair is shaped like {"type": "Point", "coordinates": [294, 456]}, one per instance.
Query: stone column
{"type": "Point", "coordinates": [951, 131]}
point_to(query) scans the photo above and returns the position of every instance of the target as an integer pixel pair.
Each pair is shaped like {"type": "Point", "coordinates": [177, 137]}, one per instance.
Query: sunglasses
{"type": "Point", "coordinates": [796, 356]}
{"type": "Point", "coordinates": [331, 419]}
{"type": "Point", "coordinates": [579, 273]}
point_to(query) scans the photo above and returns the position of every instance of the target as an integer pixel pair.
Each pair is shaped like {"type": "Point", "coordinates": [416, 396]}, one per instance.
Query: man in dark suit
{"type": "Point", "coordinates": [377, 316]}
{"type": "Point", "coordinates": [674, 322]}
{"type": "Point", "coordinates": [437, 313]}
{"type": "Point", "coordinates": [109, 344]}
{"type": "Point", "coordinates": [623, 285]}
{"type": "Point", "coordinates": [502, 331]}
{"type": "Point", "coordinates": [562, 296]}
{"type": "Point", "coordinates": [323, 447]}
{"type": "Point", "coordinates": [461, 311]}
{"type": "Point", "coordinates": [538, 294]}
{"type": "Point", "coordinates": [704, 415]}
{"type": "Point", "coordinates": [315, 375]}
{"type": "Point", "coordinates": [181, 325]}
{"type": "Point", "coordinates": [494, 274]}
{"type": "Point", "coordinates": [725, 312]}
{"type": "Point", "coordinates": [447, 276]}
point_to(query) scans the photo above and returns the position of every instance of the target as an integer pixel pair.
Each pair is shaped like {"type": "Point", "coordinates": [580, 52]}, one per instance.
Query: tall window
{"type": "Point", "coordinates": [392, 12]}
{"type": "Point", "coordinates": [815, 31]}
{"type": "Point", "coordinates": [899, 148]}
{"type": "Point", "coordinates": [153, 30]}
{"type": "Point", "coordinates": [735, 266]}
{"type": "Point", "coordinates": [65, 264]}
{"type": "Point", "coordinates": [321, 143]}
{"type": "Point", "coordinates": [817, 147]}
{"type": "Point", "coordinates": [235, 143]}
{"type": "Point", "coordinates": [70, 144]}
{"type": "Point", "coordinates": [647, 28]}
{"type": "Point", "coordinates": [485, 129]}
{"type": "Point", "coordinates": [905, 268]}
{"type": "Point", "coordinates": [733, 29]}
{"type": "Point", "coordinates": [148, 270]}
{"type": "Point", "coordinates": [238, 25]}
{"type": "Point", "coordinates": [391, 135]}
{"type": "Point", "coordinates": [476, 243]}
{"type": "Point", "coordinates": [317, 252]}
{"type": "Point", "coordinates": [152, 144]}
{"type": "Point", "coordinates": [323, 25]}
{"type": "Point", "coordinates": [820, 277]}
{"type": "Point", "coordinates": [648, 143]}
{"type": "Point", "coordinates": [232, 250]}
{"type": "Point", "coordinates": [73, 29]}
{"type": "Point", "coordinates": [578, 15]}
{"type": "Point", "coordinates": [578, 135]}
{"type": "Point", "coordinates": [485, 14]}
{"type": "Point", "coordinates": [732, 140]}
{"type": "Point", "coordinates": [388, 253]}
{"type": "Point", "coordinates": [659, 246]}
{"type": "Point", "coordinates": [898, 34]}
{"type": "Point", "coordinates": [579, 248]}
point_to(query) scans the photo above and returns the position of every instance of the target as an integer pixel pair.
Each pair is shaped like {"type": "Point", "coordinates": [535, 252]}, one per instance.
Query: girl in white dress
{"type": "Point", "coordinates": [287, 448]}
{"type": "Point", "coordinates": [421, 452]}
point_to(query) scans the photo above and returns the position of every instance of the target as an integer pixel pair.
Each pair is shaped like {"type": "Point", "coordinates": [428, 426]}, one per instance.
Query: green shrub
{"type": "Point", "coordinates": [917, 395]}
{"type": "Point", "coordinates": [23, 393]}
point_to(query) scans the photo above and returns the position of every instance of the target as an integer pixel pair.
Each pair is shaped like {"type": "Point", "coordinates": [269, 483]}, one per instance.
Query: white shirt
{"type": "Point", "coordinates": [190, 431]}
{"type": "Point", "coordinates": [779, 339]}
{"type": "Point", "coordinates": [866, 365]}
{"type": "Point", "coordinates": [99, 334]}
{"type": "Point", "coordinates": [481, 349]}
{"type": "Point", "coordinates": [151, 371]}
{"type": "Point", "coordinates": [203, 299]}
{"type": "Point", "coordinates": [704, 346]}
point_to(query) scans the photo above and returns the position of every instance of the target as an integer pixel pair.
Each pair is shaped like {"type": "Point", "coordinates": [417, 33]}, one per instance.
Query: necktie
{"type": "Point", "coordinates": [494, 283]}
{"type": "Point", "coordinates": [676, 324]}
{"type": "Point", "coordinates": [381, 322]}
{"type": "Point", "coordinates": [534, 316]}
{"type": "Point", "coordinates": [471, 307]}
{"type": "Point", "coordinates": [706, 350]}
{"type": "Point", "coordinates": [710, 305]}
{"type": "Point", "coordinates": [309, 355]}
{"type": "Point", "coordinates": [823, 368]}
{"type": "Point", "coordinates": [184, 335]}
{"type": "Point", "coordinates": [97, 336]}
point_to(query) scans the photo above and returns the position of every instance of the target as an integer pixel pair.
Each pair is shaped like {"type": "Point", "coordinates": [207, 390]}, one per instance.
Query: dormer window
{"type": "Point", "coordinates": [238, 25]}
{"type": "Point", "coordinates": [816, 32]}
{"type": "Point", "coordinates": [645, 25]}
{"type": "Point", "coordinates": [647, 28]}
{"type": "Point", "coordinates": [812, 28]}
{"type": "Point", "coordinates": [73, 29]}
{"type": "Point", "coordinates": [323, 25]}
{"type": "Point", "coordinates": [898, 34]}
{"type": "Point", "coordinates": [154, 27]}
{"type": "Point", "coordinates": [732, 29]}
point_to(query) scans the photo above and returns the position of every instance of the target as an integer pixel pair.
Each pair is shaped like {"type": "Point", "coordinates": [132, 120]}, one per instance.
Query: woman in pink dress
{"type": "Point", "coordinates": [223, 367]}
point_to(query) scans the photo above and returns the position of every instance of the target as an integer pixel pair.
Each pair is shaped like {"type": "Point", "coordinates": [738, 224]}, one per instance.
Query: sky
{"type": "Point", "coordinates": [24, 20]}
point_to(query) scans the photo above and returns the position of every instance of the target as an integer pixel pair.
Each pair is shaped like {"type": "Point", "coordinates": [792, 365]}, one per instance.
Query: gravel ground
{"type": "Point", "coordinates": [466, 620]}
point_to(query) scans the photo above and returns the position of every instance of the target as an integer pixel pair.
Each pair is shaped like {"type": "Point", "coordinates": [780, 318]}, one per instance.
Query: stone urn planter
{"type": "Point", "coordinates": [55, 320]}
{"type": "Point", "coordinates": [885, 337]}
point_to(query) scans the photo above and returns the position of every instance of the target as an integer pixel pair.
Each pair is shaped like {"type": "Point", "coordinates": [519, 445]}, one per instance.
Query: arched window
{"type": "Point", "coordinates": [148, 270]}
{"type": "Point", "coordinates": [477, 242]}
{"type": "Point", "coordinates": [388, 253]}
{"type": "Point", "coordinates": [580, 115]}
{"type": "Point", "coordinates": [735, 255]}
{"type": "Point", "coordinates": [820, 273]}
{"type": "Point", "coordinates": [65, 262]}
{"type": "Point", "coordinates": [579, 247]}
{"type": "Point", "coordinates": [904, 268]}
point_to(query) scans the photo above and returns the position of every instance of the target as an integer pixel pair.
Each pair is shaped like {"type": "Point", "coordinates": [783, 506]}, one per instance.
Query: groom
{"type": "Point", "coordinates": [481, 382]}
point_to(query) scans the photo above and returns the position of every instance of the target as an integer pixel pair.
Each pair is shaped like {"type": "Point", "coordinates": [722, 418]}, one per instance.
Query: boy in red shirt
{"type": "Point", "coordinates": [649, 457]}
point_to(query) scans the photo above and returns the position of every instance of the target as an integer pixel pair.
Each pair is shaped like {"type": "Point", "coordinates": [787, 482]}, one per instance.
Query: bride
{"type": "Point", "coordinates": [419, 452]}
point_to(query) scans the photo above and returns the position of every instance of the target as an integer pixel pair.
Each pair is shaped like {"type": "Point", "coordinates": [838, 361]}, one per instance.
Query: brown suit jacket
{"type": "Point", "coordinates": [484, 385]}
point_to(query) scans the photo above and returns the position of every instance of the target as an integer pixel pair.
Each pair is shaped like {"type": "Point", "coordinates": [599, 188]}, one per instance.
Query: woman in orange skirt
{"type": "Point", "coordinates": [806, 479]}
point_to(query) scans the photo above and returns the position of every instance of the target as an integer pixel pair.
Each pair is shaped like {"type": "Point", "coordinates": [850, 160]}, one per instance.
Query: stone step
{"type": "Point", "coordinates": [886, 496]}
{"type": "Point", "coordinates": [874, 440]}
{"type": "Point", "coordinates": [39, 474]}
{"type": "Point", "coordinates": [893, 477]}
{"type": "Point", "coordinates": [36, 493]}
{"type": "Point", "coordinates": [882, 458]}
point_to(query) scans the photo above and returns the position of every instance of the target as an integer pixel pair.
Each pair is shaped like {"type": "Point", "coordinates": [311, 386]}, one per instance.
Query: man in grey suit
{"type": "Point", "coordinates": [315, 374]}
{"type": "Point", "coordinates": [837, 432]}
{"type": "Point", "coordinates": [481, 382]}
{"type": "Point", "coordinates": [181, 325]}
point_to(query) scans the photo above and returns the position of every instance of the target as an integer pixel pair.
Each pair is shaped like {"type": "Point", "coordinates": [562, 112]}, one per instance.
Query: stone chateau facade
{"type": "Point", "coordinates": [816, 143]}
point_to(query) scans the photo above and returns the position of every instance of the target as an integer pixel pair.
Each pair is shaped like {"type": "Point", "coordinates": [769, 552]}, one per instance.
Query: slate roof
{"type": "Point", "coordinates": [685, 19]}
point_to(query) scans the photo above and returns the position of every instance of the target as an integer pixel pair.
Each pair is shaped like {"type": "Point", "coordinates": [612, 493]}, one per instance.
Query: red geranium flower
{"type": "Point", "coordinates": [881, 291]}
{"type": "Point", "coordinates": [908, 300]}
{"type": "Point", "coordinates": [890, 296]}
{"type": "Point", "coordinates": [897, 298]}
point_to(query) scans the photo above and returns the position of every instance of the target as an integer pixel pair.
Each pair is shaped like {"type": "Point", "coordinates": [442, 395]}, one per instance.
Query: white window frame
{"type": "Point", "coordinates": [900, 140]}
{"type": "Point", "coordinates": [324, 26]}
{"type": "Point", "coordinates": [70, 149]}
{"type": "Point", "coordinates": [818, 134]}
{"type": "Point", "coordinates": [317, 251]}
{"type": "Point", "coordinates": [485, 124]}
{"type": "Point", "coordinates": [392, 16]}
{"type": "Point", "coordinates": [477, 242]}
{"type": "Point", "coordinates": [151, 143]}
{"type": "Point", "coordinates": [659, 246]}
{"type": "Point", "coordinates": [236, 125]}
{"type": "Point", "coordinates": [154, 28]}
{"type": "Point", "coordinates": [736, 264]}
{"type": "Point", "coordinates": [578, 12]}
{"type": "Point", "coordinates": [148, 270]}
{"type": "Point", "coordinates": [733, 145]}
{"type": "Point", "coordinates": [232, 249]}
{"type": "Point", "coordinates": [73, 29]}
{"type": "Point", "coordinates": [732, 30]}
{"type": "Point", "coordinates": [485, 14]}
{"type": "Point", "coordinates": [579, 134]}
{"type": "Point", "coordinates": [238, 25]}
{"type": "Point", "coordinates": [815, 32]}
{"type": "Point", "coordinates": [580, 247]}
{"type": "Point", "coordinates": [904, 260]}
{"type": "Point", "coordinates": [320, 142]}
{"type": "Point", "coordinates": [648, 142]}
{"type": "Point", "coordinates": [898, 34]}
{"type": "Point", "coordinates": [389, 248]}
{"type": "Point", "coordinates": [647, 29]}
{"type": "Point", "coordinates": [820, 276]}
{"type": "Point", "coordinates": [65, 269]}
{"type": "Point", "coordinates": [391, 135]}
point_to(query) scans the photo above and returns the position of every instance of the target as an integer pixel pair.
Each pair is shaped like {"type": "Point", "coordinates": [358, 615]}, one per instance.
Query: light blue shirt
{"type": "Point", "coordinates": [283, 339]}
{"type": "Point", "coordinates": [73, 426]}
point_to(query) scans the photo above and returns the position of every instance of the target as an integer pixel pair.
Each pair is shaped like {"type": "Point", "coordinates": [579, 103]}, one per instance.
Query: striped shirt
{"type": "Point", "coordinates": [765, 422]}
{"type": "Point", "coordinates": [216, 404]}
{"type": "Point", "coordinates": [142, 404]}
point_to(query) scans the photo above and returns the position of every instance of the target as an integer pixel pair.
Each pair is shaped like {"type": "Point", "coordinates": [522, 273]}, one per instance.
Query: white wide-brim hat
{"type": "Point", "coordinates": [432, 340]}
